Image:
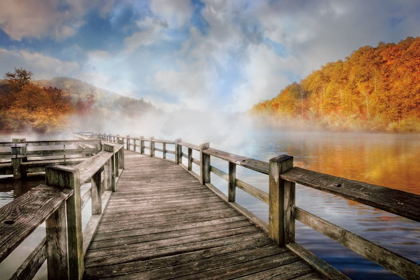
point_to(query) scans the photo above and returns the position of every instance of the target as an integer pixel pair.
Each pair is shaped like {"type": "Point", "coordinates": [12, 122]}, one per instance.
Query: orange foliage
{"type": "Point", "coordinates": [374, 89]}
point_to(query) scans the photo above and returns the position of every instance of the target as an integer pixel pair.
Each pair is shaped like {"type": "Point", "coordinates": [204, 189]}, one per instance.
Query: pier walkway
{"type": "Point", "coordinates": [161, 223]}
{"type": "Point", "coordinates": [154, 217]}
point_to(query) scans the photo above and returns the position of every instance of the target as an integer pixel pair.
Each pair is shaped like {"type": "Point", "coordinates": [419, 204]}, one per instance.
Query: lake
{"type": "Point", "coordinates": [389, 160]}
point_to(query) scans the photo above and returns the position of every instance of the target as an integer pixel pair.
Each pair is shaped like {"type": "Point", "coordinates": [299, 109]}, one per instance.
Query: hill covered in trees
{"type": "Point", "coordinates": [375, 89]}
{"type": "Point", "coordinates": [60, 104]}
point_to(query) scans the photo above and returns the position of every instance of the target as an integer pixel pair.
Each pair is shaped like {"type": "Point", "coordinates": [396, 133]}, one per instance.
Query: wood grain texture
{"type": "Point", "coordinates": [253, 164]}
{"type": "Point", "coordinates": [393, 262]}
{"type": "Point", "coordinates": [394, 201]}
{"type": "Point", "coordinates": [22, 216]}
{"type": "Point", "coordinates": [163, 223]}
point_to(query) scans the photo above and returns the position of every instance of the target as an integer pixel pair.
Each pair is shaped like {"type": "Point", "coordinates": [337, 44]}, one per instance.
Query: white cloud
{"type": "Point", "coordinates": [54, 18]}
{"type": "Point", "coordinates": [43, 67]}
{"type": "Point", "coordinates": [175, 12]}
{"type": "Point", "coordinates": [150, 33]}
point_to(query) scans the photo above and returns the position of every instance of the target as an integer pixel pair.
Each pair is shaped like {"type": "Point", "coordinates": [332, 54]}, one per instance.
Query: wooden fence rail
{"type": "Point", "coordinates": [59, 204]}
{"type": "Point", "coordinates": [283, 212]}
{"type": "Point", "coordinates": [25, 157]}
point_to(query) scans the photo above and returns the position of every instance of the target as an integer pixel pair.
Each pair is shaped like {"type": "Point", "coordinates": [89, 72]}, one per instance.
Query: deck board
{"type": "Point", "coordinates": [163, 224]}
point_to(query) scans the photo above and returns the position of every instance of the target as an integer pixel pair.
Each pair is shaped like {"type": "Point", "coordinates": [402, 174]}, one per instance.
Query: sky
{"type": "Point", "coordinates": [191, 54]}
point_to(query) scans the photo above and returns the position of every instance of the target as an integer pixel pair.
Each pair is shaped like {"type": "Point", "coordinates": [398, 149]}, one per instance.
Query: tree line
{"type": "Point", "coordinates": [26, 106]}
{"type": "Point", "coordinates": [375, 88]}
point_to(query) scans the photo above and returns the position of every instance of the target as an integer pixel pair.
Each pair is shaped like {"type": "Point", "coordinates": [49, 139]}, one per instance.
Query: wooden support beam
{"type": "Point", "coordinates": [96, 192]}
{"type": "Point", "coordinates": [114, 166]}
{"type": "Point", "coordinates": [152, 147]}
{"type": "Point", "coordinates": [141, 145]}
{"type": "Point", "coordinates": [56, 240]}
{"type": "Point", "coordinates": [281, 201]}
{"type": "Point", "coordinates": [204, 164]}
{"type": "Point", "coordinates": [164, 150]}
{"type": "Point", "coordinates": [67, 177]}
{"type": "Point", "coordinates": [128, 142]}
{"type": "Point", "coordinates": [232, 182]}
{"type": "Point", "coordinates": [189, 159]}
{"type": "Point", "coordinates": [178, 151]}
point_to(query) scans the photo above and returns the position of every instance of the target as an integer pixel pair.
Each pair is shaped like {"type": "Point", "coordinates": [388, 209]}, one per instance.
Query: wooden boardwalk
{"type": "Point", "coordinates": [163, 224]}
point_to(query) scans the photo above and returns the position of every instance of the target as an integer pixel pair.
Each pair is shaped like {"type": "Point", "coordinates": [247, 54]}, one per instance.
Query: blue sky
{"type": "Point", "coordinates": [202, 55]}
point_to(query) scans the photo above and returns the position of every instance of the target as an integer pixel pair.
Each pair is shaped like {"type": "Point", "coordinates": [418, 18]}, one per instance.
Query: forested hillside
{"type": "Point", "coordinates": [375, 88]}
{"type": "Point", "coordinates": [60, 104]}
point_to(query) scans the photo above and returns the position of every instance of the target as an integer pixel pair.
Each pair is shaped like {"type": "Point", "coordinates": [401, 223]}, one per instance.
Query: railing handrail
{"type": "Point", "coordinates": [66, 242]}
{"type": "Point", "coordinates": [281, 200]}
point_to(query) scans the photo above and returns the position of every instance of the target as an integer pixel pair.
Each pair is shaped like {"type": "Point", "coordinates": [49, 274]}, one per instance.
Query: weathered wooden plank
{"type": "Point", "coordinates": [173, 250]}
{"type": "Point", "coordinates": [394, 201]}
{"type": "Point", "coordinates": [255, 192]}
{"type": "Point", "coordinates": [219, 173]}
{"type": "Point", "coordinates": [166, 227]}
{"type": "Point", "coordinates": [89, 167]}
{"type": "Point", "coordinates": [288, 271]}
{"type": "Point", "coordinates": [44, 163]}
{"type": "Point", "coordinates": [164, 141]}
{"type": "Point", "coordinates": [217, 263]}
{"type": "Point", "coordinates": [232, 182]}
{"type": "Point", "coordinates": [189, 145]}
{"type": "Point", "coordinates": [56, 231]}
{"type": "Point", "coordinates": [393, 262]}
{"type": "Point", "coordinates": [253, 164]}
{"type": "Point", "coordinates": [32, 263]}
{"type": "Point", "coordinates": [85, 198]}
{"type": "Point", "coordinates": [60, 152]}
{"type": "Point", "coordinates": [141, 238]}
{"type": "Point", "coordinates": [22, 216]}
{"type": "Point", "coordinates": [278, 199]}
{"type": "Point", "coordinates": [316, 263]}
{"type": "Point", "coordinates": [247, 268]}
{"type": "Point", "coordinates": [179, 259]}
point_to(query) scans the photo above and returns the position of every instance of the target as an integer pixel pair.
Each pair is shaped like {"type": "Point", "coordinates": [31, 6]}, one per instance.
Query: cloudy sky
{"type": "Point", "coordinates": [224, 55]}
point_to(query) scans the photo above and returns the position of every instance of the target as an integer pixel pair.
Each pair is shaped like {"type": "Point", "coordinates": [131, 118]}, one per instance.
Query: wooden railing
{"type": "Point", "coordinates": [26, 157]}
{"type": "Point", "coordinates": [59, 203]}
{"type": "Point", "coordinates": [283, 212]}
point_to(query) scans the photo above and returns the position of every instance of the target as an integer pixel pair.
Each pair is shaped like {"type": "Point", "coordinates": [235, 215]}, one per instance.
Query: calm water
{"type": "Point", "coordinates": [382, 159]}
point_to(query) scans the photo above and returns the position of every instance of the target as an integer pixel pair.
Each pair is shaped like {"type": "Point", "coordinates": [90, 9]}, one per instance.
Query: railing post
{"type": "Point", "coordinates": [56, 234]}
{"type": "Point", "coordinates": [281, 201]}
{"type": "Point", "coordinates": [164, 150]}
{"type": "Point", "coordinates": [114, 166]}
{"type": "Point", "coordinates": [96, 192]}
{"type": "Point", "coordinates": [18, 152]}
{"type": "Point", "coordinates": [232, 182]}
{"type": "Point", "coordinates": [120, 155]}
{"type": "Point", "coordinates": [68, 177]}
{"type": "Point", "coordinates": [152, 147]}
{"type": "Point", "coordinates": [178, 156]}
{"type": "Point", "coordinates": [128, 142]}
{"type": "Point", "coordinates": [135, 144]}
{"type": "Point", "coordinates": [204, 164]}
{"type": "Point", "coordinates": [141, 145]}
{"type": "Point", "coordinates": [189, 159]}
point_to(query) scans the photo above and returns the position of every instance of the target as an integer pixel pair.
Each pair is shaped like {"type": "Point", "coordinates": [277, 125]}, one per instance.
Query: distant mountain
{"type": "Point", "coordinates": [375, 88]}
{"type": "Point", "coordinates": [103, 99]}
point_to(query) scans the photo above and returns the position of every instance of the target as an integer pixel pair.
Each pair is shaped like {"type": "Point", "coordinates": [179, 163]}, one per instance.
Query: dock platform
{"type": "Point", "coordinates": [161, 223]}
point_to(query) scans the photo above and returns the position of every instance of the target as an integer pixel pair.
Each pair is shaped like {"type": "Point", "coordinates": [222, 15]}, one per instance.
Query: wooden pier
{"type": "Point", "coordinates": [162, 224]}
{"type": "Point", "coordinates": [155, 218]}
